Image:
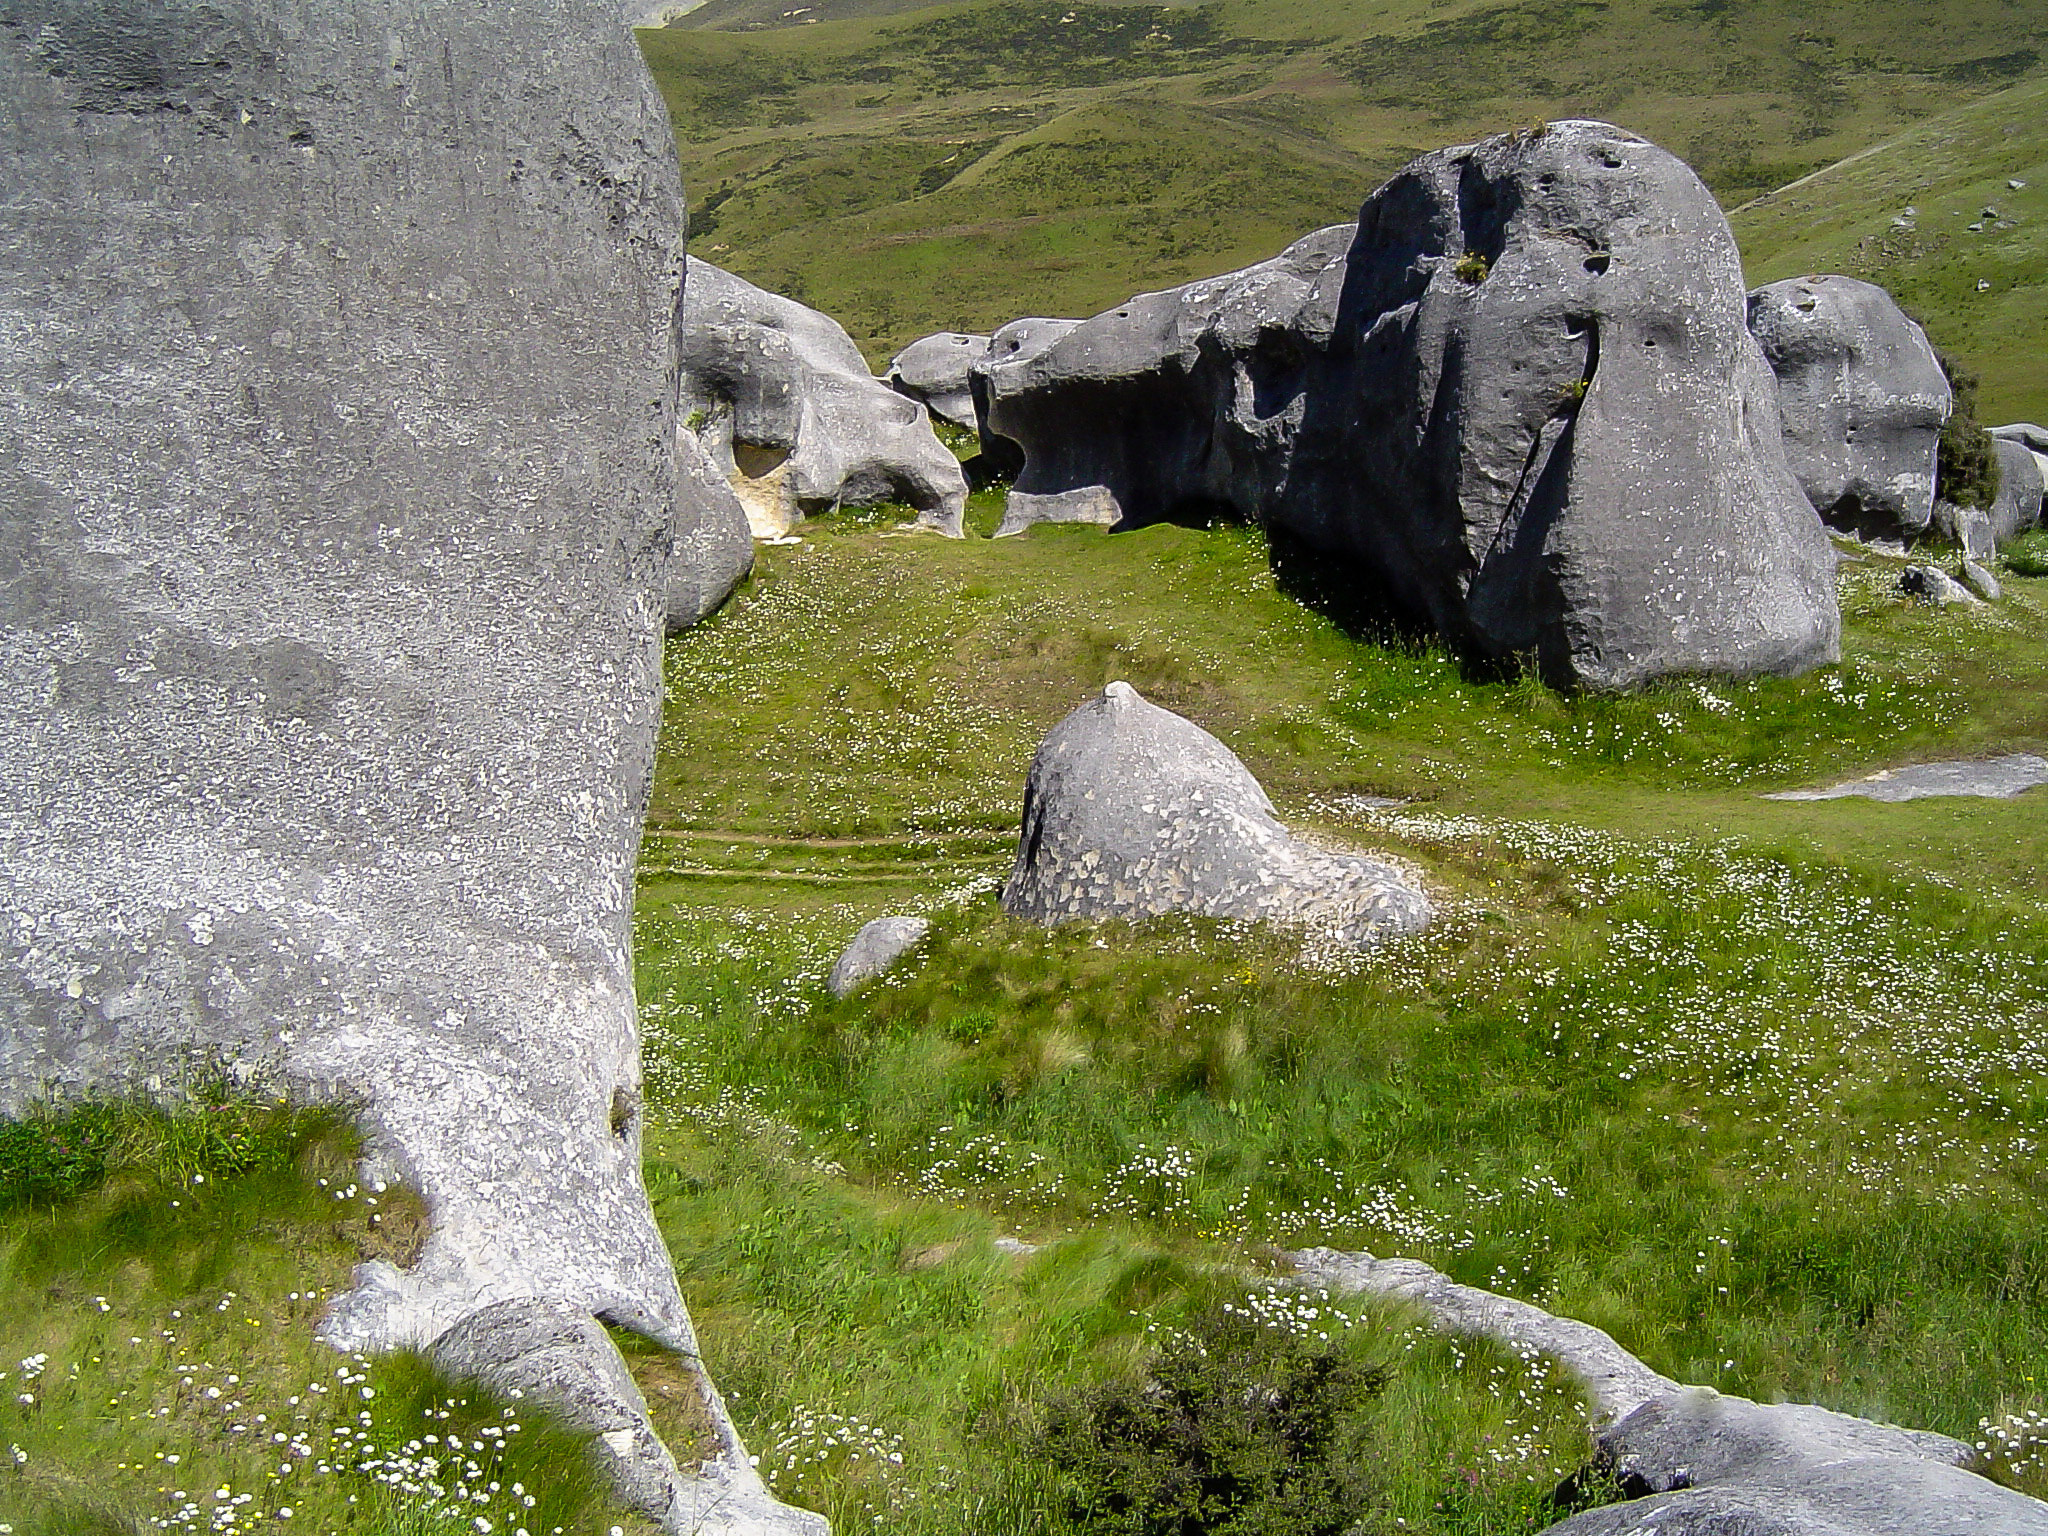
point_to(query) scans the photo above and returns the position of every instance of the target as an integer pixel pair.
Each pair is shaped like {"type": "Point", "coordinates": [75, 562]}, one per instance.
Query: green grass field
{"type": "Point", "coordinates": [909, 170]}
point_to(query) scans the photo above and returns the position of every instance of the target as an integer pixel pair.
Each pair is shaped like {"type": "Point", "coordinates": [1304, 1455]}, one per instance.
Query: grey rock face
{"type": "Point", "coordinates": [337, 485]}
{"type": "Point", "coordinates": [1174, 404]}
{"type": "Point", "coordinates": [933, 371]}
{"type": "Point", "coordinates": [784, 406]}
{"type": "Point", "coordinates": [1131, 811]}
{"type": "Point", "coordinates": [554, 1353]}
{"type": "Point", "coordinates": [2020, 486]}
{"type": "Point", "coordinates": [1982, 582]}
{"type": "Point", "coordinates": [1546, 428]}
{"type": "Point", "coordinates": [1699, 1463]}
{"type": "Point", "coordinates": [1997, 778]}
{"type": "Point", "coordinates": [874, 949]}
{"type": "Point", "coordinates": [1969, 527]}
{"type": "Point", "coordinates": [1931, 584]}
{"type": "Point", "coordinates": [1863, 400]}
{"type": "Point", "coordinates": [714, 546]}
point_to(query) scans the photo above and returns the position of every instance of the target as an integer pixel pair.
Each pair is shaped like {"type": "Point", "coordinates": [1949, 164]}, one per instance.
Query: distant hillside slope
{"type": "Point", "coordinates": [1971, 259]}
{"type": "Point", "coordinates": [961, 165]}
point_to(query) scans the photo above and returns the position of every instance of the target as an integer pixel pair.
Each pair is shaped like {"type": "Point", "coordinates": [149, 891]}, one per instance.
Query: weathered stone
{"type": "Point", "coordinates": [1131, 811]}
{"type": "Point", "coordinates": [1863, 400]}
{"type": "Point", "coordinates": [934, 370]}
{"type": "Point", "coordinates": [783, 404]}
{"type": "Point", "coordinates": [1969, 527]}
{"type": "Point", "coordinates": [1545, 428]}
{"type": "Point", "coordinates": [1997, 778]}
{"type": "Point", "coordinates": [554, 1353]}
{"type": "Point", "coordinates": [1696, 1463]}
{"type": "Point", "coordinates": [2030, 437]}
{"type": "Point", "coordinates": [1522, 406]}
{"type": "Point", "coordinates": [2020, 487]}
{"type": "Point", "coordinates": [1931, 584]}
{"type": "Point", "coordinates": [1174, 405]}
{"type": "Point", "coordinates": [337, 490]}
{"type": "Point", "coordinates": [874, 949]}
{"type": "Point", "coordinates": [1982, 582]}
{"type": "Point", "coordinates": [714, 547]}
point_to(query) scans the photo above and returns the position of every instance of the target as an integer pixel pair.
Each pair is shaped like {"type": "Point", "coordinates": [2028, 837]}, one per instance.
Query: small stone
{"type": "Point", "coordinates": [1933, 585]}
{"type": "Point", "coordinates": [874, 949]}
{"type": "Point", "coordinates": [1982, 582]}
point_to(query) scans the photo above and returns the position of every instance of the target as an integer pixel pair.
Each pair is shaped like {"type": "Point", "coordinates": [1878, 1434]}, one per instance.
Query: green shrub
{"type": "Point", "coordinates": [1966, 463]}
{"type": "Point", "coordinates": [1472, 267]}
{"type": "Point", "coordinates": [1238, 1429]}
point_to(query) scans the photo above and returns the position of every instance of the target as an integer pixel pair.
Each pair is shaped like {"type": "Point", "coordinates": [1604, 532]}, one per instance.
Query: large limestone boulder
{"type": "Point", "coordinates": [1131, 811]}
{"type": "Point", "coordinates": [337, 490]}
{"type": "Point", "coordinates": [1542, 426]}
{"type": "Point", "coordinates": [2017, 507]}
{"type": "Point", "coordinates": [1863, 400]}
{"type": "Point", "coordinates": [782, 403]}
{"type": "Point", "coordinates": [933, 371]}
{"type": "Point", "coordinates": [1693, 1462]}
{"type": "Point", "coordinates": [714, 543]}
{"type": "Point", "coordinates": [1174, 405]}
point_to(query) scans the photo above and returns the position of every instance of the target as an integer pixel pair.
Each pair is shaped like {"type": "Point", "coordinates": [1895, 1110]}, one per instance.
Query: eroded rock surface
{"type": "Point", "coordinates": [1697, 1463]}
{"type": "Point", "coordinates": [1863, 399]}
{"type": "Point", "coordinates": [933, 371]}
{"type": "Point", "coordinates": [1131, 811]}
{"type": "Point", "coordinates": [877, 947]}
{"type": "Point", "coordinates": [1179, 404]}
{"type": "Point", "coordinates": [714, 544]}
{"type": "Point", "coordinates": [782, 403]}
{"type": "Point", "coordinates": [337, 485]}
{"type": "Point", "coordinates": [2020, 488]}
{"type": "Point", "coordinates": [1997, 778]}
{"type": "Point", "coordinates": [1546, 429]}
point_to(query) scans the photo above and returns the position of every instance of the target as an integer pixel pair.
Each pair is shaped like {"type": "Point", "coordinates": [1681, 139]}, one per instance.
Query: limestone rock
{"type": "Point", "coordinates": [337, 489]}
{"type": "Point", "coordinates": [1996, 778]}
{"type": "Point", "coordinates": [1173, 405]}
{"type": "Point", "coordinates": [714, 546]}
{"type": "Point", "coordinates": [1131, 811]}
{"type": "Point", "coordinates": [554, 1353]}
{"type": "Point", "coordinates": [1969, 527]}
{"type": "Point", "coordinates": [1542, 426]}
{"type": "Point", "coordinates": [933, 371]}
{"type": "Point", "coordinates": [1982, 582]}
{"type": "Point", "coordinates": [1696, 1463]}
{"type": "Point", "coordinates": [2020, 486]}
{"type": "Point", "coordinates": [1931, 584]}
{"type": "Point", "coordinates": [1863, 400]}
{"type": "Point", "coordinates": [782, 402]}
{"type": "Point", "coordinates": [874, 949]}
{"type": "Point", "coordinates": [2030, 437]}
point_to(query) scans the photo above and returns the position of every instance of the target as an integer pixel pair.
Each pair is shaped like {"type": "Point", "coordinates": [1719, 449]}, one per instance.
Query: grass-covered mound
{"type": "Point", "coordinates": [1757, 1086]}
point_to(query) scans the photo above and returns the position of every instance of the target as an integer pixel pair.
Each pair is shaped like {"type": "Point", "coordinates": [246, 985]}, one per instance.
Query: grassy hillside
{"type": "Point", "coordinates": [1754, 1085]}
{"type": "Point", "coordinates": [1971, 259]}
{"type": "Point", "coordinates": [966, 164]}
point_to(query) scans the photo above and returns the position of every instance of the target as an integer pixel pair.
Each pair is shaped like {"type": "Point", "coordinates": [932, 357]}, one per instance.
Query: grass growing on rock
{"type": "Point", "coordinates": [1757, 1086]}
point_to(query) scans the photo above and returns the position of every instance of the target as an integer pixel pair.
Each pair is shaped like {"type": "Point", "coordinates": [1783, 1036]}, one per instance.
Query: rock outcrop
{"type": "Point", "coordinates": [878, 946]}
{"type": "Point", "coordinates": [1863, 400]}
{"type": "Point", "coordinates": [1131, 811]}
{"type": "Point", "coordinates": [1543, 427]}
{"type": "Point", "coordinates": [1696, 1463]}
{"type": "Point", "coordinates": [1174, 405]}
{"type": "Point", "coordinates": [337, 493]}
{"type": "Point", "coordinates": [933, 371]}
{"type": "Point", "coordinates": [1521, 404]}
{"type": "Point", "coordinates": [714, 545]}
{"type": "Point", "coordinates": [782, 403]}
{"type": "Point", "coordinates": [2017, 507]}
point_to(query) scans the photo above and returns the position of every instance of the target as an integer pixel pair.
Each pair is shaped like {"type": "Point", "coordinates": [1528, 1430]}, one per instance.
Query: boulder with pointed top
{"type": "Point", "coordinates": [1863, 400]}
{"type": "Point", "coordinates": [1131, 811]}
{"type": "Point", "coordinates": [782, 403]}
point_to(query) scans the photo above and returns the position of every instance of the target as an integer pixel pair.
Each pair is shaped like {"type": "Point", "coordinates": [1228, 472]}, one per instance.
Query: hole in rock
{"type": "Point", "coordinates": [755, 461]}
{"type": "Point", "coordinates": [1599, 262]}
{"type": "Point", "coordinates": [625, 1110]}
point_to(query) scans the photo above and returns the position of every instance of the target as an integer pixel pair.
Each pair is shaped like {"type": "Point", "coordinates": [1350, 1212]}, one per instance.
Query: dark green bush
{"type": "Point", "coordinates": [1966, 464]}
{"type": "Point", "coordinates": [51, 1155]}
{"type": "Point", "coordinates": [1238, 1429]}
{"type": "Point", "coordinates": [2028, 554]}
